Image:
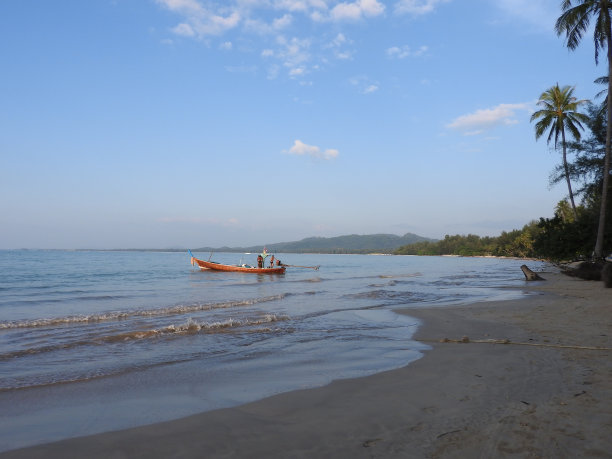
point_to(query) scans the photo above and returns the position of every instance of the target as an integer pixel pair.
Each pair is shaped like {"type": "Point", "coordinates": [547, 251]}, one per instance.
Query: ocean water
{"type": "Point", "coordinates": [97, 341]}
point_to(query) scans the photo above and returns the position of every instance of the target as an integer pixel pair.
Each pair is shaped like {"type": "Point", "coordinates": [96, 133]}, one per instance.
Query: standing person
{"type": "Point", "coordinates": [272, 261]}
{"type": "Point", "coordinates": [260, 261]}
{"type": "Point", "coordinates": [263, 256]}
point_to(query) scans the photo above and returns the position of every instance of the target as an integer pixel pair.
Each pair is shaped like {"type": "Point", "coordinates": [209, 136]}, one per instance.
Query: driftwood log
{"type": "Point", "coordinates": [530, 275]}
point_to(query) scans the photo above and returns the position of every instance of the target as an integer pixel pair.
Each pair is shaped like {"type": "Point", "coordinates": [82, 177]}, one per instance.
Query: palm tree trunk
{"type": "Point", "coordinates": [567, 176]}
{"type": "Point", "coordinates": [606, 169]}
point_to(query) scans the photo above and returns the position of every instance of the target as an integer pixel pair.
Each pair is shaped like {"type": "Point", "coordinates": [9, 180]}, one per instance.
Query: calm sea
{"type": "Point", "coordinates": [96, 341]}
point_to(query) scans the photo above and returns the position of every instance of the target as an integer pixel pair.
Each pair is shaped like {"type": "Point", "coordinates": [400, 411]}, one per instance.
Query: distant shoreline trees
{"type": "Point", "coordinates": [516, 243]}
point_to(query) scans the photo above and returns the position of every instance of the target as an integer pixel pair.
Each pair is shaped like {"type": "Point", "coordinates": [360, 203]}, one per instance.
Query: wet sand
{"type": "Point", "coordinates": [547, 393]}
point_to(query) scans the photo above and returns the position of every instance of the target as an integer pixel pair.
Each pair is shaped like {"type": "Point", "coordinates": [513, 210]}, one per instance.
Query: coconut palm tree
{"type": "Point", "coordinates": [574, 22]}
{"type": "Point", "coordinates": [557, 114]}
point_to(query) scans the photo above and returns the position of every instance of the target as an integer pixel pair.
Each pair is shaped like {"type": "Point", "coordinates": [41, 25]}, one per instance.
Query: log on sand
{"type": "Point", "coordinates": [530, 275]}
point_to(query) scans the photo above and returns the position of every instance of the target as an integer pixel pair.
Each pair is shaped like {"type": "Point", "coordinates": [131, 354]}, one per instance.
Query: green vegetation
{"type": "Point", "coordinates": [574, 22]}
{"type": "Point", "coordinates": [517, 243]}
{"type": "Point", "coordinates": [558, 114]}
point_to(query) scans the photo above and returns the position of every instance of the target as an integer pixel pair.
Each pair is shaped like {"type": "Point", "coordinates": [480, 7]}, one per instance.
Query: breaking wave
{"type": "Point", "coordinates": [190, 327]}
{"type": "Point", "coordinates": [123, 315]}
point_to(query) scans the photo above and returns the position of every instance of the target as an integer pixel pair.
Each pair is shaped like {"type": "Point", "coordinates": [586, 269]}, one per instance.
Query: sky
{"type": "Point", "coordinates": [191, 123]}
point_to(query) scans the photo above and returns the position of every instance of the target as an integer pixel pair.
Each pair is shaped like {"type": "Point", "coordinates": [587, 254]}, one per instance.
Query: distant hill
{"type": "Point", "coordinates": [354, 243]}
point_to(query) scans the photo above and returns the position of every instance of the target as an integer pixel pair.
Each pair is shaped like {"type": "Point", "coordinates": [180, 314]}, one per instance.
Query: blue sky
{"type": "Point", "coordinates": [188, 123]}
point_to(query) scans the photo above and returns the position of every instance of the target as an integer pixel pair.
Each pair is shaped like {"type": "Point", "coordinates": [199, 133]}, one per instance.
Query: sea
{"type": "Point", "coordinates": [93, 341]}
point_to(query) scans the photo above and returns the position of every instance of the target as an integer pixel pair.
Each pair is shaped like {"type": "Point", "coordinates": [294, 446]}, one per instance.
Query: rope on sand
{"type": "Point", "coordinates": [466, 339]}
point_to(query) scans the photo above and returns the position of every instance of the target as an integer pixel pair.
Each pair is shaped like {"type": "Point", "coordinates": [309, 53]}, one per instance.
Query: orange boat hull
{"type": "Point", "coordinates": [206, 265]}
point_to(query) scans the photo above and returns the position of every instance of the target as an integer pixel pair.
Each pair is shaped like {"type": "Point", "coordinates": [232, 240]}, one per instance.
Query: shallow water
{"type": "Point", "coordinates": [93, 341]}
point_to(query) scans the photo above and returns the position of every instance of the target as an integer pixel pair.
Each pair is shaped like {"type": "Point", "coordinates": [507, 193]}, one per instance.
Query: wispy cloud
{"type": "Point", "coordinates": [274, 20]}
{"type": "Point", "coordinates": [487, 118]}
{"type": "Point", "coordinates": [267, 28]}
{"type": "Point", "coordinates": [357, 10]}
{"type": "Point", "coordinates": [214, 17]}
{"type": "Point", "coordinates": [363, 84]}
{"type": "Point", "coordinates": [199, 21]}
{"type": "Point", "coordinates": [203, 20]}
{"type": "Point", "coordinates": [301, 149]}
{"type": "Point", "coordinates": [293, 53]}
{"type": "Point", "coordinates": [339, 46]}
{"type": "Point", "coordinates": [402, 52]}
{"type": "Point", "coordinates": [417, 7]}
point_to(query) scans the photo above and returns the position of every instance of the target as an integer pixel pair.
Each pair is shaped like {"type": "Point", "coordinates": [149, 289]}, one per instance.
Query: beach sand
{"type": "Point", "coordinates": [461, 400]}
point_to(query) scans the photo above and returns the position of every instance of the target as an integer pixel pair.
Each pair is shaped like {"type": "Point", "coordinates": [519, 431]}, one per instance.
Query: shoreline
{"type": "Point", "coordinates": [458, 400]}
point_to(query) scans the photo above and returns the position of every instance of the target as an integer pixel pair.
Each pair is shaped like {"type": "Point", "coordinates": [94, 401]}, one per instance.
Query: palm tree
{"type": "Point", "coordinates": [558, 113]}
{"type": "Point", "coordinates": [574, 22]}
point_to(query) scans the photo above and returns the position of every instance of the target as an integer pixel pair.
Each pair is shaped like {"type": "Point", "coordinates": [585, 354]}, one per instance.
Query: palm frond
{"type": "Point", "coordinates": [558, 113]}
{"type": "Point", "coordinates": [575, 20]}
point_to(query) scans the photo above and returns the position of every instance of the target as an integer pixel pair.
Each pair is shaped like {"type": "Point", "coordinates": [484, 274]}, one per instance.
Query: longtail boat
{"type": "Point", "coordinates": [206, 265]}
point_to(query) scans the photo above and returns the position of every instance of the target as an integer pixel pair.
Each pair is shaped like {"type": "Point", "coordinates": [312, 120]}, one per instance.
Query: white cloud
{"type": "Point", "coordinates": [339, 40]}
{"type": "Point", "coordinates": [215, 24]}
{"type": "Point", "coordinates": [480, 120]}
{"type": "Point", "coordinates": [300, 5]}
{"type": "Point", "coordinates": [183, 30]}
{"type": "Point", "coordinates": [264, 28]}
{"type": "Point", "coordinates": [282, 22]}
{"type": "Point", "coordinates": [363, 84]}
{"type": "Point", "coordinates": [405, 51]}
{"type": "Point", "coordinates": [213, 17]}
{"type": "Point", "coordinates": [299, 55]}
{"type": "Point", "coordinates": [417, 7]}
{"type": "Point", "coordinates": [301, 149]}
{"type": "Point", "coordinates": [294, 53]}
{"type": "Point", "coordinates": [343, 55]}
{"type": "Point", "coordinates": [337, 44]}
{"type": "Point", "coordinates": [199, 21]}
{"type": "Point", "coordinates": [356, 10]}
{"type": "Point", "coordinates": [189, 7]}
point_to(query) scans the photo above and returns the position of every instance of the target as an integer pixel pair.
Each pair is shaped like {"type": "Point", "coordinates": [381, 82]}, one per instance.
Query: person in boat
{"type": "Point", "coordinates": [260, 261]}
{"type": "Point", "coordinates": [263, 256]}
{"type": "Point", "coordinates": [278, 263]}
{"type": "Point", "coordinates": [272, 261]}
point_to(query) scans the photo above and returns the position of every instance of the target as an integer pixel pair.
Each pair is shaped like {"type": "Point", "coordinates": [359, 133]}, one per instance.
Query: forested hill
{"type": "Point", "coordinates": [354, 243]}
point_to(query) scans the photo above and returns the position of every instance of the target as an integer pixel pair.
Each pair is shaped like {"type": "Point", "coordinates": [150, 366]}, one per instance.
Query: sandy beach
{"type": "Point", "coordinates": [542, 389]}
